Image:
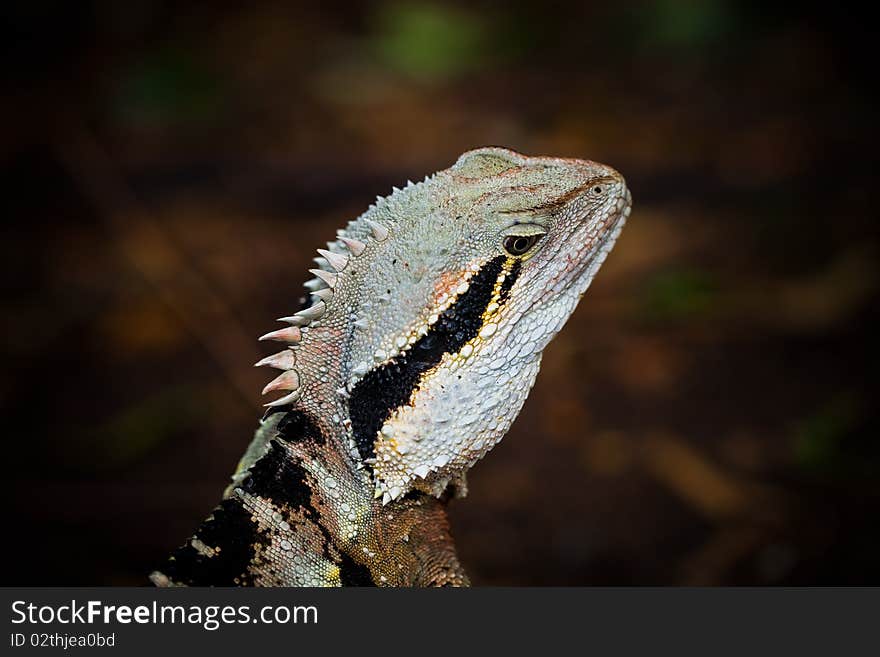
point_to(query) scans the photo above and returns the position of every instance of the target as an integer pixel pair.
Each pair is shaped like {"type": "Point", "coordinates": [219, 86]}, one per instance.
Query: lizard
{"type": "Point", "coordinates": [418, 343]}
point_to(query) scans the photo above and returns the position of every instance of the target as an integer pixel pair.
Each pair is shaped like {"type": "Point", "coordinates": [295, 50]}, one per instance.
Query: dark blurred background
{"type": "Point", "coordinates": [706, 417]}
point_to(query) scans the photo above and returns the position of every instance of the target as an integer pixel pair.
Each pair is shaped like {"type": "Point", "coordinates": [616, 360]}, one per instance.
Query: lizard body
{"type": "Point", "coordinates": [429, 314]}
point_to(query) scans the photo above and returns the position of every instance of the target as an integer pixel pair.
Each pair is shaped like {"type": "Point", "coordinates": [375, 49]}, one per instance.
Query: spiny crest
{"type": "Point", "coordinates": [353, 241]}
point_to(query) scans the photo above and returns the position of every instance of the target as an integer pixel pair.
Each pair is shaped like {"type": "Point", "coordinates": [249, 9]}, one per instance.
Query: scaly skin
{"type": "Point", "coordinates": [429, 316]}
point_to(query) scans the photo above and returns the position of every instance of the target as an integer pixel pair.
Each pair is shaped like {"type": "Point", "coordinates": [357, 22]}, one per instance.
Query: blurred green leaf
{"type": "Point", "coordinates": [168, 86]}
{"type": "Point", "coordinates": [429, 40]}
{"type": "Point", "coordinates": [686, 23]}
{"type": "Point", "coordinates": [678, 295]}
{"type": "Point", "coordinates": [830, 442]}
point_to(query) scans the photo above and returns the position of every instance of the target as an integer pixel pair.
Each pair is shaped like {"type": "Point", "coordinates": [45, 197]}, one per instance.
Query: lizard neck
{"type": "Point", "coordinates": [404, 543]}
{"type": "Point", "coordinates": [299, 512]}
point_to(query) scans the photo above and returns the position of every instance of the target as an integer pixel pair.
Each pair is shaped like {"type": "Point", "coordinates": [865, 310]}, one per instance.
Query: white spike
{"type": "Point", "coordinates": [287, 399]}
{"type": "Point", "coordinates": [287, 380]}
{"type": "Point", "coordinates": [294, 320]}
{"type": "Point", "coordinates": [283, 360]}
{"type": "Point", "coordinates": [314, 284]}
{"type": "Point", "coordinates": [328, 277]}
{"type": "Point", "coordinates": [362, 324]}
{"type": "Point", "coordinates": [336, 260]}
{"type": "Point", "coordinates": [288, 334]}
{"type": "Point", "coordinates": [322, 263]}
{"type": "Point", "coordinates": [313, 312]}
{"type": "Point", "coordinates": [380, 233]}
{"type": "Point", "coordinates": [386, 498]}
{"type": "Point", "coordinates": [355, 246]}
{"type": "Point", "coordinates": [325, 294]}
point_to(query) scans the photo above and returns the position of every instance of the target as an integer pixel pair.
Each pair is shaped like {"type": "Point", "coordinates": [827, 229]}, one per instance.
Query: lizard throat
{"type": "Point", "coordinates": [391, 385]}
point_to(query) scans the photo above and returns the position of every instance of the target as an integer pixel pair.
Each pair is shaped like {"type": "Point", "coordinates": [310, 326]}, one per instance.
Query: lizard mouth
{"type": "Point", "coordinates": [586, 262]}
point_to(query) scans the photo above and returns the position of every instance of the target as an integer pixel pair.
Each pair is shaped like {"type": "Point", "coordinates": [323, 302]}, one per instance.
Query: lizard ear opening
{"type": "Point", "coordinates": [484, 162]}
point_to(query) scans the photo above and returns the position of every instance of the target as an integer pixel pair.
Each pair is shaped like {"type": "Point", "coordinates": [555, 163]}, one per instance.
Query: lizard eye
{"type": "Point", "coordinates": [517, 245]}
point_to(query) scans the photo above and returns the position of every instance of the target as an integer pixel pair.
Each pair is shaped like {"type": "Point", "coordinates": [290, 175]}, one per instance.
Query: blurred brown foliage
{"type": "Point", "coordinates": [706, 417]}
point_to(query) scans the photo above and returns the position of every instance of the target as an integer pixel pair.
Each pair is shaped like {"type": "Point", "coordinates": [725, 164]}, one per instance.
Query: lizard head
{"type": "Point", "coordinates": [445, 295]}
{"type": "Point", "coordinates": [547, 224]}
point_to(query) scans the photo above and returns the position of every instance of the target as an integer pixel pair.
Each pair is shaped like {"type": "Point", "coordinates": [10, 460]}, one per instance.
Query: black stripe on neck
{"type": "Point", "coordinates": [231, 530]}
{"type": "Point", "coordinates": [390, 385]}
